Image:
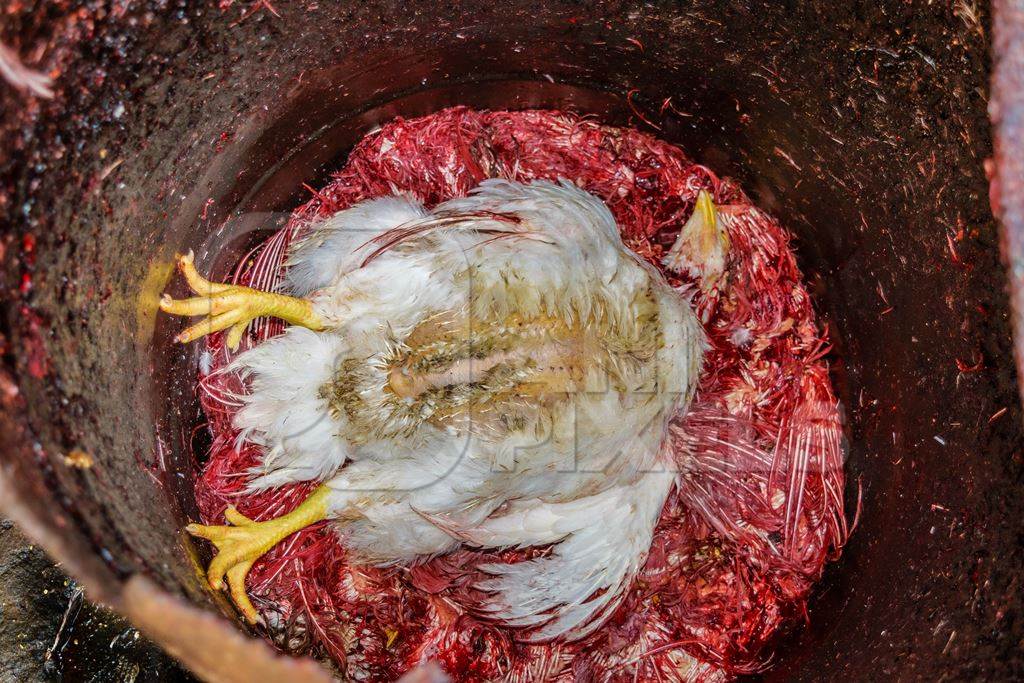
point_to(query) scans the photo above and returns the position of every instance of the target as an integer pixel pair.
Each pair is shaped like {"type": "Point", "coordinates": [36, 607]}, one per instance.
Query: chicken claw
{"type": "Point", "coordinates": [232, 306]}
{"type": "Point", "coordinates": [244, 541]}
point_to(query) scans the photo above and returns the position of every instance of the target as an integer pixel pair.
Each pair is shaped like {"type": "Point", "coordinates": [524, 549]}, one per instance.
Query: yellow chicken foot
{"type": "Point", "coordinates": [244, 541]}
{"type": "Point", "coordinates": [232, 306]}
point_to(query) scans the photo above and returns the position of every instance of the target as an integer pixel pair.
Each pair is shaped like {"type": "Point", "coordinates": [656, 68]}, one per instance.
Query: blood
{"type": "Point", "coordinates": [759, 507]}
{"type": "Point", "coordinates": [37, 360]}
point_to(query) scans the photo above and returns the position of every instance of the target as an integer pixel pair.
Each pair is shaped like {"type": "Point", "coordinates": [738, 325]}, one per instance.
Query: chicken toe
{"type": "Point", "coordinates": [243, 541]}
{"type": "Point", "coordinates": [232, 306]}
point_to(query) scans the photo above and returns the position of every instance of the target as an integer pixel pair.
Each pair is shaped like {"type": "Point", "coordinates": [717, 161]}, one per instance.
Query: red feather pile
{"type": "Point", "coordinates": [759, 507]}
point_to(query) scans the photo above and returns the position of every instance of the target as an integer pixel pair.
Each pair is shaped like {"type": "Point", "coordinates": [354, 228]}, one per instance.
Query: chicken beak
{"type": "Point", "coordinates": [703, 244]}
{"type": "Point", "coordinates": [705, 216]}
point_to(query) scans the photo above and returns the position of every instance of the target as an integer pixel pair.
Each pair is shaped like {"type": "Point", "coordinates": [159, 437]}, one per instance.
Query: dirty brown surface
{"type": "Point", "coordinates": [33, 597]}
{"type": "Point", "coordinates": [49, 631]}
{"type": "Point", "coordinates": [862, 125]}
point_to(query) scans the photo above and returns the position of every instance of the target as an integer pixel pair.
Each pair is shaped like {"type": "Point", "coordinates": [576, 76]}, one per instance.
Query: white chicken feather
{"type": "Point", "coordinates": [496, 372]}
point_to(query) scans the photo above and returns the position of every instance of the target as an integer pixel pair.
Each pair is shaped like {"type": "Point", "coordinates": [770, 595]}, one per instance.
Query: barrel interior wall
{"type": "Point", "coordinates": [863, 127]}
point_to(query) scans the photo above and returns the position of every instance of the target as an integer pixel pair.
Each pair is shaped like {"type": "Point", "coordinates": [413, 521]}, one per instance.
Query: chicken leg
{"type": "Point", "coordinates": [243, 541]}
{"type": "Point", "coordinates": [232, 306]}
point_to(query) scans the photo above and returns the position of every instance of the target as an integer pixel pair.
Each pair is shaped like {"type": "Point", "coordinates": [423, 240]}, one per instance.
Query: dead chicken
{"type": "Point", "coordinates": [496, 372]}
